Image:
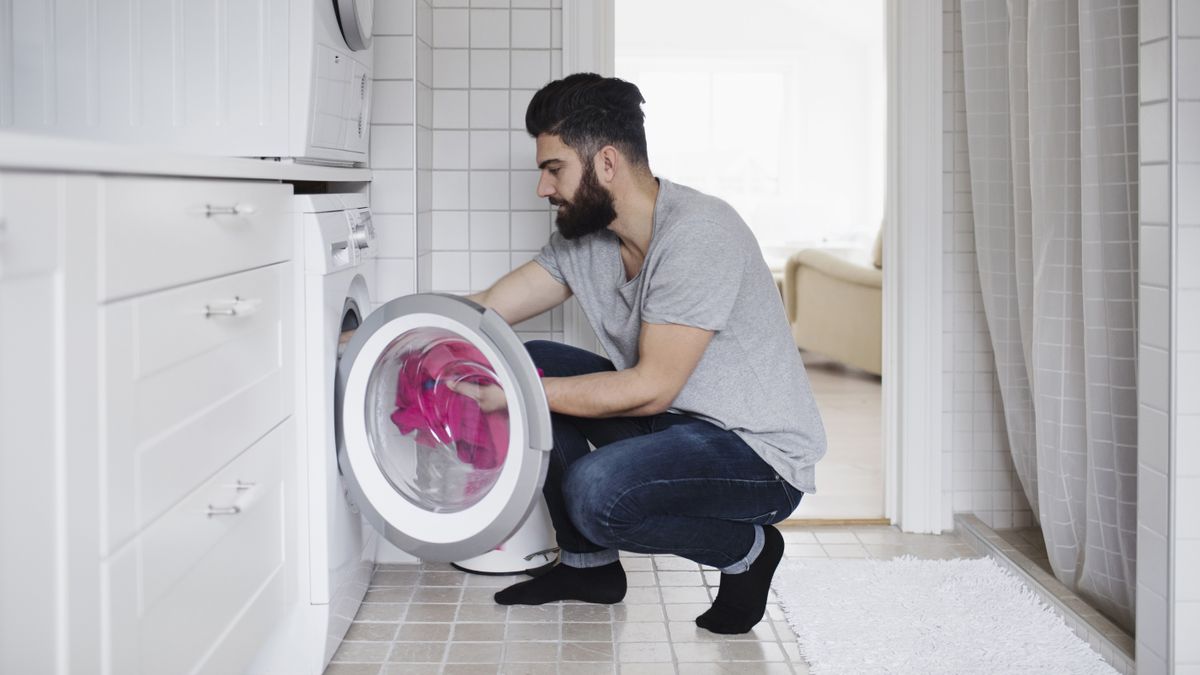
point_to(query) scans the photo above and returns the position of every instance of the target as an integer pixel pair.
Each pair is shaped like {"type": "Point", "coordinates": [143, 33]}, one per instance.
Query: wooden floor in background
{"type": "Point", "coordinates": [850, 477]}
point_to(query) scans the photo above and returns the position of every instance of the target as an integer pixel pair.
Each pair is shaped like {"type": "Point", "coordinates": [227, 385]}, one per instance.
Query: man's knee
{"type": "Point", "coordinates": [594, 493]}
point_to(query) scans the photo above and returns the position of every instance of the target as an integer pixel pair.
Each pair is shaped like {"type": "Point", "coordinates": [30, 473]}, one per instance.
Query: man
{"type": "Point", "coordinates": [704, 425]}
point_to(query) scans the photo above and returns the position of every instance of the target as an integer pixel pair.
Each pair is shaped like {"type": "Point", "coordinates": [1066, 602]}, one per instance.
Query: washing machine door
{"type": "Point", "coordinates": [356, 20]}
{"type": "Point", "coordinates": [436, 472]}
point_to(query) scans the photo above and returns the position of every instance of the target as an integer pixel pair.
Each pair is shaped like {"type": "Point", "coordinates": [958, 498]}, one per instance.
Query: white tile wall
{"type": "Point", "coordinates": [1185, 542]}
{"type": "Point", "coordinates": [483, 216]}
{"type": "Point", "coordinates": [980, 475]}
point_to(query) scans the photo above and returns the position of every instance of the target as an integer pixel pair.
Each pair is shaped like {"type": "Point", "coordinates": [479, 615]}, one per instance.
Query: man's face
{"type": "Point", "coordinates": [584, 206]}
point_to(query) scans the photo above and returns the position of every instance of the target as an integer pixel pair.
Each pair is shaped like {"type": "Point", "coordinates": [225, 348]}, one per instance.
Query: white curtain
{"type": "Point", "coordinates": [1051, 96]}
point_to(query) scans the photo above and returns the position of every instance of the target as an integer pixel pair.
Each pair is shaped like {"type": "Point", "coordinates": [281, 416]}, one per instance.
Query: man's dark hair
{"type": "Point", "coordinates": [588, 112]}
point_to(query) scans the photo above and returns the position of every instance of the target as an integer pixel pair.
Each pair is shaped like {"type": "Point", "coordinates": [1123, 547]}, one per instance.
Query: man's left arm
{"type": "Point", "coordinates": [668, 353]}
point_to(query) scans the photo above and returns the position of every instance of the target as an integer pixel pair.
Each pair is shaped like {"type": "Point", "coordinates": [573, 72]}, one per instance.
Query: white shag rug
{"type": "Point", "coordinates": [925, 616]}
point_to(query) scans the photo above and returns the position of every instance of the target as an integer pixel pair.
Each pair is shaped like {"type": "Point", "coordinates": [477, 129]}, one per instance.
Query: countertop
{"type": "Point", "coordinates": [30, 152]}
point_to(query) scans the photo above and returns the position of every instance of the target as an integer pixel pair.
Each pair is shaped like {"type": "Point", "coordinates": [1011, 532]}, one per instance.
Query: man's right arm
{"type": "Point", "coordinates": [523, 293]}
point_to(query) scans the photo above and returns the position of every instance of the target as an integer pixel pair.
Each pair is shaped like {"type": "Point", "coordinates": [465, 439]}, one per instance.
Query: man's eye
{"type": "Point", "coordinates": [554, 172]}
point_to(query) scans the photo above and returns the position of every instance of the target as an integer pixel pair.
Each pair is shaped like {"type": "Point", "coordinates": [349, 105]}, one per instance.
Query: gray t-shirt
{"type": "Point", "coordinates": [704, 269]}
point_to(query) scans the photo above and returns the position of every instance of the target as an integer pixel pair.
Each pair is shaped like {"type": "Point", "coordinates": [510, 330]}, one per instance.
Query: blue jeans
{"type": "Point", "coordinates": [666, 483]}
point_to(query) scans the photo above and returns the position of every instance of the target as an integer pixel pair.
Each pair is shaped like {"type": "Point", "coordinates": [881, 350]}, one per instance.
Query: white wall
{"type": "Point", "coordinates": [393, 118]}
{"type": "Point", "coordinates": [978, 471]}
{"type": "Point", "coordinates": [1168, 611]}
{"type": "Point", "coordinates": [488, 60]}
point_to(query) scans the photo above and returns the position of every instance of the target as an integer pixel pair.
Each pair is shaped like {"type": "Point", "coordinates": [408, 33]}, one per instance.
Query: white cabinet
{"type": "Point", "coordinates": [147, 452]}
{"type": "Point", "coordinates": [137, 72]}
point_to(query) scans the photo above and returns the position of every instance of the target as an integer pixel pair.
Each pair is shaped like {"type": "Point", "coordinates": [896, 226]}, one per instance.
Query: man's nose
{"type": "Point", "coordinates": [544, 187]}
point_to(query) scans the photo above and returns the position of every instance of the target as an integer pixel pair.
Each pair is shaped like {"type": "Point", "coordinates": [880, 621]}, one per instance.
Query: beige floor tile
{"type": "Point", "coordinates": [549, 612]}
{"type": "Point", "coordinates": [643, 564]}
{"type": "Point", "coordinates": [482, 612]}
{"type": "Point", "coordinates": [381, 611]}
{"type": "Point", "coordinates": [697, 594]}
{"type": "Point", "coordinates": [423, 612]}
{"type": "Point", "coordinates": [587, 668]}
{"type": "Point", "coordinates": [475, 652]}
{"type": "Point", "coordinates": [584, 612]}
{"type": "Point", "coordinates": [353, 669]}
{"type": "Point", "coordinates": [424, 632]}
{"type": "Point", "coordinates": [646, 668]}
{"type": "Point", "coordinates": [835, 537]}
{"type": "Point", "coordinates": [437, 594]}
{"type": "Point", "coordinates": [623, 612]}
{"type": "Point", "coordinates": [573, 631]}
{"type": "Point", "coordinates": [362, 652]}
{"type": "Point", "coordinates": [540, 630]}
{"type": "Point", "coordinates": [640, 631]}
{"type": "Point", "coordinates": [697, 652]}
{"type": "Point", "coordinates": [587, 651]}
{"type": "Point", "coordinates": [640, 579]}
{"type": "Point", "coordinates": [687, 611]}
{"type": "Point", "coordinates": [417, 652]}
{"type": "Point", "coordinates": [804, 551]}
{"type": "Point", "coordinates": [675, 563]}
{"type": "Point", "coordinates": [692, 578]}
{"type": "Point", "coordinates": [751, 651]}
{"type": "Point", "coordinates": [529, 669]}
{"type": "Point", "coordinates": [478, 632]}
{"type": "Point", "coordinates": [412, 669]}
{"type": "Point", "coordinates": [371, 632]}
{"type": "Point", "coordinates": [845, 550]}
{"type": "Point", "coordinates": [530, 652]}
{"type": "Point", "coordinates": [644, 652]}
{"type": "Point", "coordinates": [388, 578]}
{"type": "Point", "coordinates": [643, 595]}
{"type": "Point", "coordinates": [470, 669]}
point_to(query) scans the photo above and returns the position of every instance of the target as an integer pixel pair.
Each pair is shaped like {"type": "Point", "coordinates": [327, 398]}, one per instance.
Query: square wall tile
{"type": "Point", "coordinates": [449, 190]}
{"type": "Point", "coordinates": [489, 150]}
{"type": "Point", "coordinates": [451, 272]}
{"type": "Point", "coordinates": [489, 231]}
{"type": "Point", "coordinates": [395, 236]}
{"type": "Point", "coordinates": [451, 28]}
{"type": "Point", "coordinates": [394, 278]}
{"type": "Point", "coordinates": [489, 109]}
{"type": "Point", "coordinates": [489, 190]}
{"type": "Point", "coordinates": [490, 4]}
{"type": "Point", "coordinates": [424, 151]}
{"type": "Point", "coordinates": [393, 57]}
{"type": "Point", "coordinates": [487, 268]}
{"type": "Point", "coordinates": [1187, 79]}
{"type": "Point", "coordinates": [450, 69]}
{"type": "Point", "coordinates": [1154, 133]}
{"type": "Point", "coordinates": [393, 17]}
{"type": "Point", "coordinates": [530, 69]}
{"type": "Point", "coordinates": [489, 28]}
{"type": "Point", "coordinates": [531, 28]}
{"type": "Point", "coordinates": [1154, 73]}
{"type": "Point", "coordinates": [1187, 398]}
{"type": "Point", "coordinates": [530, 230]}
{"type": "Point", "coordinates": [391, 191]}
{"type": "Point", "coordinates": [1154, 317]}
{"type": "Point", "coordinates": [1187, 238]}
{"type": "Point", "coordinates": [1188, 127]}
{"type": "Point", "coordinates": [1153, 441]}
{"type": "Point", "coordinates": [1188, 22]}
{"type": "Point", "coordinates": [489, 68]}
{"type": "Point", "coordinates": [531, 3]}
{"type": "Point", "coordinates": [1188, 211]}
{"type": "Point", "coordinates": [524, 191]}
{"type": "Point", "coordinates": [424, 104]}
{"type": "Point", "coordinates": [522, 150]}
{"type": "Point", "coordinates": [392, 147]}
{"type": "Point", "coordinates": [450, 109]}
{"type": "Point", "coordinates": [393, 102]}
{"type": "Point", "coordinates": [519, 103]}
{"type": "Point", "coordinates": [450, 150]}
{"type": "Point", "coordinates": [1154, 264]}
{"type": "Point", "coordinates": [449, 3]}
{"type": "Point", "coordinates": [556, 33]}
{"type": "Point", "coordinates": [1153, 19]}
{"type": "Point", "coordinates": [1154, 196]}
{"type": "Point", "coordinates": [450, 231]}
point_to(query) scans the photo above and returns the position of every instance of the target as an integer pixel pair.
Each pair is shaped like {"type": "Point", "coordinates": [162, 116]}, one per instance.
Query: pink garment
{"type": "Point", "coordinates": [426, 404]}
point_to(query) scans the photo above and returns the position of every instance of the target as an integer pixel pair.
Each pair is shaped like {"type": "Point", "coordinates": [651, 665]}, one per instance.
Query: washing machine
{"type": "Point", "coordinates": [336, 244]}
{"type": "Point", "coordinates": [432, 471]}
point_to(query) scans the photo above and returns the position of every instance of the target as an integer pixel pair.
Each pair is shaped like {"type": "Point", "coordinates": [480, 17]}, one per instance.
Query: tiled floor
{"type": "Point", "coordinates": [433, 619]}
{"type": "Point", "coordinates": [850, 476]}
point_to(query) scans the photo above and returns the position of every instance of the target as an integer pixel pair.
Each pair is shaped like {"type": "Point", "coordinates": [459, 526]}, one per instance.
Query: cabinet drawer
{"type": "Point", "coordinates": [205, 583]}
{"type": "Point", "coordinates": [157, 233]}
{"type": "Point", "coordinates": [192, 377]}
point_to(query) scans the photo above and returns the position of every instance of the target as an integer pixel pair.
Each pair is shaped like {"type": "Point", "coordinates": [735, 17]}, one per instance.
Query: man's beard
{"type": "Point", "coordinates": [590, 211]}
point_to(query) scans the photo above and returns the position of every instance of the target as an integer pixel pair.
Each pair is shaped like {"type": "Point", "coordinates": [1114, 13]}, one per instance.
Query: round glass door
{"type": "Point", "coordinates": [444, 426]}
{"type": "Point", "coordinates": [356, 20]}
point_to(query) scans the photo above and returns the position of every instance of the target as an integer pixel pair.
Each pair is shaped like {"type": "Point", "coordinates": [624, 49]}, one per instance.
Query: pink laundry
{"type": "Point", "coordinates": [440, 416]}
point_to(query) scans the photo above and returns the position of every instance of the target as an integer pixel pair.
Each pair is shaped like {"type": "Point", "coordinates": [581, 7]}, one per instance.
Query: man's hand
{"type": "Point", "coordinates": [490, 397]}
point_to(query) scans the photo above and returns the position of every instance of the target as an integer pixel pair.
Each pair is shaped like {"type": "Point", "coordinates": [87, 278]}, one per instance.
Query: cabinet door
{"type": "Point", "coordinates": [30, 445]}
{"type": "Point", "coordinates": [208, 76]}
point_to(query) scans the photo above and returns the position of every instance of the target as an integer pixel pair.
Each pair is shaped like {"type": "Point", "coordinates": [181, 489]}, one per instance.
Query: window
{"type": "Point", "coordinates": [776, 106]}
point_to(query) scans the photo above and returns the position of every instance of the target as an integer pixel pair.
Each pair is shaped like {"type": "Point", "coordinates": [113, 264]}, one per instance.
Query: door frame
{"type": "Point", "coordinates": [915, 479]}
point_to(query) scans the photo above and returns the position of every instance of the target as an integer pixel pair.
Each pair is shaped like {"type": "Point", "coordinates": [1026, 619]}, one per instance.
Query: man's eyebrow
{"type": "Point", "coordinates": [549, 162]}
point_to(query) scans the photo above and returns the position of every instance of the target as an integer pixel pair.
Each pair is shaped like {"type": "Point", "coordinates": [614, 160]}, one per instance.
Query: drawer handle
{"type": "Point", "coordinates": [235, 210]}
{"type": "Point", "coordinates": [247, 495]}
{"type": "Point", "coordinates": [235, 307]}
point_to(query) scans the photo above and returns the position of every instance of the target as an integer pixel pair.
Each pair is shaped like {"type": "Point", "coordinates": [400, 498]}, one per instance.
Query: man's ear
{"type": "Point", "coordinates": [606, 163]}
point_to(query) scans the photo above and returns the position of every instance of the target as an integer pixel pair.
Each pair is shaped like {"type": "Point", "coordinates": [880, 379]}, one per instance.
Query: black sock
{"type": "Point", "coordinates": [742, 598]}
{"type": "Point", "coordinates": [604, 584]}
